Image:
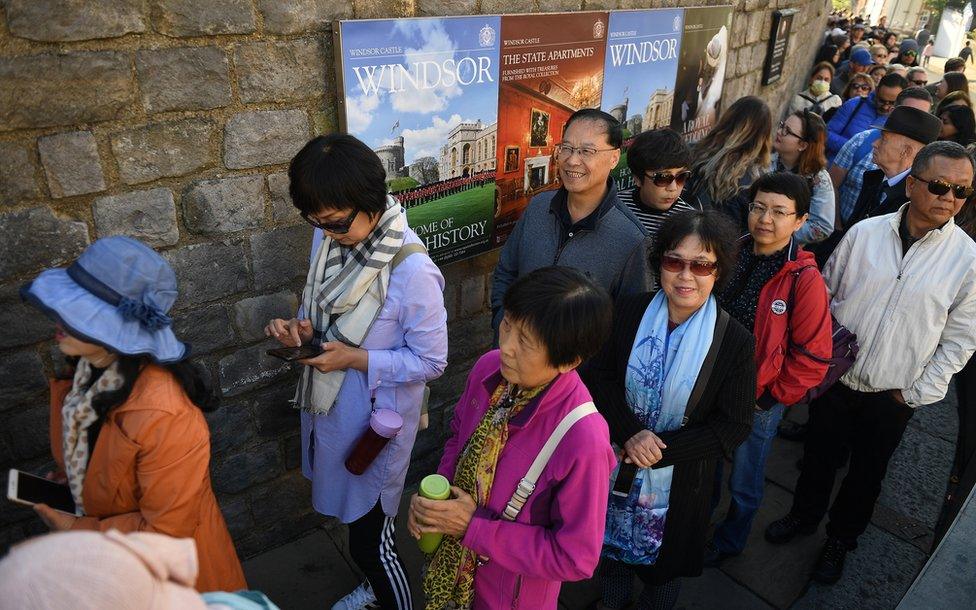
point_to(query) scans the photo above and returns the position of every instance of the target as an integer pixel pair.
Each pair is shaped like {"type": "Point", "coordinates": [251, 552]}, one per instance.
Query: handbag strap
{"type": "Point", "coordinates": [405, 251]}
{"type": "Point", "coordinates": [721, 324]}
{"type": "Point", "coordinates": [527, 485]}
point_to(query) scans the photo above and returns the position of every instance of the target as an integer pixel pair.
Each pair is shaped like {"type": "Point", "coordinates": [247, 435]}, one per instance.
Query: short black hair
{"type": "Point", "coordinates": [569, 312]}
{"type": "Point", "coordinates": [337, 172]}
{"type": "Point", "coordinates": [787, 184]}
{"type": "Point", "coordinates": [657, 149]}
{"type": "Point", "coordinates": [918, 93]}
{"type": "Point", "coordinates": [613, 127]}
{"type": "Point", "coordinates": [714, 229]}
{"type": "Point", "coordinates": [893, 80]}
{"type": "Point", "coordinates": [954, 63]}
{"type": "Point", "coordinates": [941, 148]}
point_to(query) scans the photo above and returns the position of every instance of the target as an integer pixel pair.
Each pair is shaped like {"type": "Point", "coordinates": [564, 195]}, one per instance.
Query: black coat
{"type": "Point", "coordinates": [719, 423]}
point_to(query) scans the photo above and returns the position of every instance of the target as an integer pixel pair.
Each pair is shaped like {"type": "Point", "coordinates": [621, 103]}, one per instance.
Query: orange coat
{"type": "Point", "coordinates": [149, 471]}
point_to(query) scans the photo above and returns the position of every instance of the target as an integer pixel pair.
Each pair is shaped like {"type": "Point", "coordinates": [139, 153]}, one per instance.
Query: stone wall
{"type": "Point", "coordinates": [173, 121]}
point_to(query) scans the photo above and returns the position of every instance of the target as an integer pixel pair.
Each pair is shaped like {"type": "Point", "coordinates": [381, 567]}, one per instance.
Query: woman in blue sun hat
{"type": "Point", "coordinates": [127, 431]}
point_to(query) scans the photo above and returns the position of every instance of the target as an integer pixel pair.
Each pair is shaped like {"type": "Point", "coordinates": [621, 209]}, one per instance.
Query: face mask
{"type": "Point", "coordinates": [819, 87]}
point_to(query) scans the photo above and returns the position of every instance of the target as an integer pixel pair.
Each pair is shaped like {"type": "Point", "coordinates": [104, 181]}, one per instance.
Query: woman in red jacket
{"type": "Point", "coordinates": [777, 291]}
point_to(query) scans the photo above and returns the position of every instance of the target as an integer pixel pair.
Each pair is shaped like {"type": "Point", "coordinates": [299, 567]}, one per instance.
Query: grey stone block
{"type": "Point", "coordinates": [191, 78]}
{"type": "Point", "coordinates": [224, 205]}
{"type": "Point", "coordinates": [251, 315]}
{"type": "Point", "coordinates": [22, 323]}
{"type": "Point", "coordinates": [940, 419]}
{"type": "Point", "coordinates": [237, 514]}
{"type": "Point", "coordinates": [206, 329]}
{"type": "Point", "coordinates": [280, 256]}
{"type": "Point", "coordinates": [25, 432]}
{"type": "Point", "coordinates": [280, 71]}
{"type": "Point", "coordinates": [162, 150]}
{"type": "Point", "coordinates": [231, 426]}
{"type": "Point", "coordinates": [250, 368]}
{"type": "Point", "coordinates": [194, 18]}
{"type": "Point", "coordinates": [292, 445]}
{"type": "Point", "coordinates": [467, 338]}
{"type": "Point", "coordinates": [282, 209]}
{"type": "Point", "coordinates": [274, 413]}
{"type": "Point", "coordinates": [46, 90]}
{"type": "Point", "coordinates": [149, 216]}
{"type": "Point", "coordinates": [17, 171]}
{"type": "Point", "coordinates": [71, 163]}
{"type": "Point", "coordinates": [238, 471]}
{"type": "Point", "coordinates": [917, 476]}
{"type": "Point", "coordinates": [208, 271]}
{"type": "Point", "coordinates": [455, 7]}
{"type": "Point", "coordinates": [21, 377]}
{"type": "Point", "coordinates": [295, 16]}
{"type": "Point", "coordinates": [34, 238]}
{"type": "Point", "coordinates": [286, 495]}
{"type": "Point", "coordinates": [473, 295]}
{"type": "Point", "coordinates": [264, 137]}
{"type": "Point", "coordinates": [67, 20]}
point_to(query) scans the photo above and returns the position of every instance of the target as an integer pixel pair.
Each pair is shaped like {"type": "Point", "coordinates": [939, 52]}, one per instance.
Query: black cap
{"type": "Point", "coordinates": [913, 123]}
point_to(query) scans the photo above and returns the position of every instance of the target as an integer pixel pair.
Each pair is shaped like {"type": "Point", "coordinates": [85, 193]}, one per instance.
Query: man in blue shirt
{"type": "Point", "coordinates": [860, 113]}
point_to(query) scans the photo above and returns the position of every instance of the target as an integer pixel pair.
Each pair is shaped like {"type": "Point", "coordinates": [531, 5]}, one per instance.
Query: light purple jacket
{"type": "Point", "coordinates": [559, 533]}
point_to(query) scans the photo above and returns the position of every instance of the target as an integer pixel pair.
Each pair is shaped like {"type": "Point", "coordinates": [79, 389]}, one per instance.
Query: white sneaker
{"type": "Point", "coordinates": [360, 599]}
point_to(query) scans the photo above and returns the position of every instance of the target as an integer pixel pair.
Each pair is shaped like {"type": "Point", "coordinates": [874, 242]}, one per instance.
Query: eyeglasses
{"type": "Point", "coordinates": [676, 264]}
{"type": "Point", "coordinates": [919, 83]}
{"type": "Point", "coordinates": [664, 178]}
{"type": "Point", "coordinates": [860, 87]}
{"type": "Point", "coordinates": [565, 151]}
{"type": "Point", "coordinates": [339, 227]}
{"type": "Point", "coordinates": [882, 103]}
{"type": "Point", "coordinates": [941, 187]}
{"type": "Point", "coordinates": [783, 129]}
{"type": "Point", "coordinates": [759, 210]}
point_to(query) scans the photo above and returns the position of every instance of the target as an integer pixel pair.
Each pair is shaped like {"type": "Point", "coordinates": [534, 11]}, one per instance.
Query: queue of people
{"type": "Point", "coordinates": [645, 337]}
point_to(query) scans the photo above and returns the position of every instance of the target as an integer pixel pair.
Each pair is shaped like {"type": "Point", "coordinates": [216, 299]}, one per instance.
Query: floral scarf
{"type": "Point", "coordinates": [449, 581]}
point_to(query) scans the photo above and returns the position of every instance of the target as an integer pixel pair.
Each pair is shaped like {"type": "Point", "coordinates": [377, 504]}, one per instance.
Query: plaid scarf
{"type": "Point", "coordinates": [77, 415]}
{"type": "Point", "coordinates": [449, 581]}
{"type": "Point", "coordinates": [344, 292]}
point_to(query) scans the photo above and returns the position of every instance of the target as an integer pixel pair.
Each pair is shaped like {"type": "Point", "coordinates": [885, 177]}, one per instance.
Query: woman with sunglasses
{"type": "Point", "coordinates": [733, 154]}
{"type": "Point", "coordinates": [799, 148]}
{"type": "Point", "coordinates": [676, 383]}
{"type": "Point", "coordinates": [876, 73]}
{"type": "Point", "coordinates": [860, 85]}
{"type": "Point", "coordinates": [777, 292]}
{"type": "Point", "coordinates": [373, 304]}
{"type": "Point", "coordinates": [958, 125]}
{"type": "Point", "coordinates": [658, 161]}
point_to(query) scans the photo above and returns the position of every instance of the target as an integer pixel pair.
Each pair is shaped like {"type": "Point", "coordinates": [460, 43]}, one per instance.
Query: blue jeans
{"type": "Point", "coordinates": [746, 482]}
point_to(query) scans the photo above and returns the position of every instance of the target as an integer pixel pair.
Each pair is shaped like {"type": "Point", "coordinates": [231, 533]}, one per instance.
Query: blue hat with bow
{"type": "Point", "coordinates": [117, 295]}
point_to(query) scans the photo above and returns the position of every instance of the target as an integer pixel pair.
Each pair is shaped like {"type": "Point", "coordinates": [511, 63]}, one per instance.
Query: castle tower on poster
{"type": "Point", "coordinates": [551, 66]}
{"type": "Point", "coordinates": [423, 94]}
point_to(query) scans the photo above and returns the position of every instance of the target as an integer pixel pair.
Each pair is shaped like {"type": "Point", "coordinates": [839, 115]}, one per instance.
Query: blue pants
{"type": "Point", "coordinates": [746, 482]}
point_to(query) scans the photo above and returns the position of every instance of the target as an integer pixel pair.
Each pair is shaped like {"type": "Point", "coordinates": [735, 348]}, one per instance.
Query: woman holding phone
{"type": "Point", "coordinates": [127, 431]}
{"type": "Point", "coordinates": [373, 304]}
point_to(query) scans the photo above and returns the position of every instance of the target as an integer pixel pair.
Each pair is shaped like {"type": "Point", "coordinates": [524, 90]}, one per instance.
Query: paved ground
{"type": "Point", "coordinates": [315, 571]}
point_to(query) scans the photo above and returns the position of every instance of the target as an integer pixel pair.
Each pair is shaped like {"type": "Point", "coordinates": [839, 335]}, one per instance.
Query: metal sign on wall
{"type": "Point", "coordinates": [779, 40]}
{"type": "Point", "coordinates": [464, 112]}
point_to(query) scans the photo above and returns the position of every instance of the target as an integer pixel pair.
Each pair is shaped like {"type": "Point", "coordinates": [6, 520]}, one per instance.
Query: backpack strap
{"type": "Point", "coordinates": [527, 485]}
{"type": "Point", "coordinates": [405, 251]}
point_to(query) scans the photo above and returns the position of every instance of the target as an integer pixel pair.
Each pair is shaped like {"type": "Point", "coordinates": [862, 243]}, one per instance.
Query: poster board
{"type": "Point", "coordinates": [779, 40]}
{"type": "Point", "coordinates": [464, 112]}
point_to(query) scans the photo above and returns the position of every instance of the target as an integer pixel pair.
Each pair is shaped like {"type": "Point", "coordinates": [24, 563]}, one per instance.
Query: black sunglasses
{"type": "Point", "coordinates": [941, 187]}
{"type": "Point", "coordinates": [340, 227]}
{"type": "Point", "coordinates": [664, 178]}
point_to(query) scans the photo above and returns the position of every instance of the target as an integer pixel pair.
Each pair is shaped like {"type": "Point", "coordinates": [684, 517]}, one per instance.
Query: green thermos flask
{"type": "Point", "coordinates": [433, 487]}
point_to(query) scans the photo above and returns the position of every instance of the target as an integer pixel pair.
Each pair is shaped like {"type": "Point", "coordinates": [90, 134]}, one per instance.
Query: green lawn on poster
{"type": "Point", "coordinates": [467, 207]}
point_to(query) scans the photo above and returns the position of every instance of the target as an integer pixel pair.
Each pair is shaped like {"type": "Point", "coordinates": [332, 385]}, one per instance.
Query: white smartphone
{"type": "Point", "coordinates": [29, 489]}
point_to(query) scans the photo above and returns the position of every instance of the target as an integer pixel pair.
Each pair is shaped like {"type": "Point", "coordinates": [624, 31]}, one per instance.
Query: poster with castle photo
{"type": "Point", "coordinates": [551, 66]}
{"type": "Point", "coordinates": [701, 70]}
{"type": "Point", "coordinates": [639, 73]}
{"type": "Point", "coordinates": [423, 94]}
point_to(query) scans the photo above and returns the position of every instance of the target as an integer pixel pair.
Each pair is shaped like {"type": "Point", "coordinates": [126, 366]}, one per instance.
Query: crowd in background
{"type": "Point", "coordinates": [648, 339]}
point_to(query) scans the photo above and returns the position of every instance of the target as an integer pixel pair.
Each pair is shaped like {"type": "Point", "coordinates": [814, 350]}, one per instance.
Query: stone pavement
{"type": "Point", "coordinates": [314, 571]}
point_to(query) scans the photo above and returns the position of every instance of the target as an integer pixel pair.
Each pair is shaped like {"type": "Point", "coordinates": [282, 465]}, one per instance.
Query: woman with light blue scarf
{"type": "Point", "coordinates": [676, 383]}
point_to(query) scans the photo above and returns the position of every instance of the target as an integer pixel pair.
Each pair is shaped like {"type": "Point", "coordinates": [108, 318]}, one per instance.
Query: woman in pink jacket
{"type": "Point", "coordinates": [515, 398]}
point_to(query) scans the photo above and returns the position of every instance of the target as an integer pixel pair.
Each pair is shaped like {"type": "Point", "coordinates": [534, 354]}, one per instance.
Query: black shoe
{"type": "Point", "coordinates": [830, 566]}
{"type": "Point", "coordinates": [714, 557]}
{"type": "Point", "coordinates": [783, 530]}
{"type": "Point", "coordinates": [792, 431]}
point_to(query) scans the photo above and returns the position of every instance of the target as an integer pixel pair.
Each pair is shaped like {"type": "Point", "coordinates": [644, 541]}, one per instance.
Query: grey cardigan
{"type": "Point", "coordinates": [614, 253]}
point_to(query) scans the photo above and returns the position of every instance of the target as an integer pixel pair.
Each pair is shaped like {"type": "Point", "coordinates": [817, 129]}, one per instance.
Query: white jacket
{"type": "Point", "coordinates": [914, 316]}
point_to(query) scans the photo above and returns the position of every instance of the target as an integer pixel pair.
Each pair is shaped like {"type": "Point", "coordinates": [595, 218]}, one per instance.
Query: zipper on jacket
{"type": "Point", "coordinates": [517, 592]}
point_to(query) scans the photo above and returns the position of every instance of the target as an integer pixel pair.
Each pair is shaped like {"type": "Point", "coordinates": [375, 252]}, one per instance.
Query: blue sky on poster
{"type": "Point", "coordinates": [638, 81]}
{"type": "Point", "coordinates": [422, 115]}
